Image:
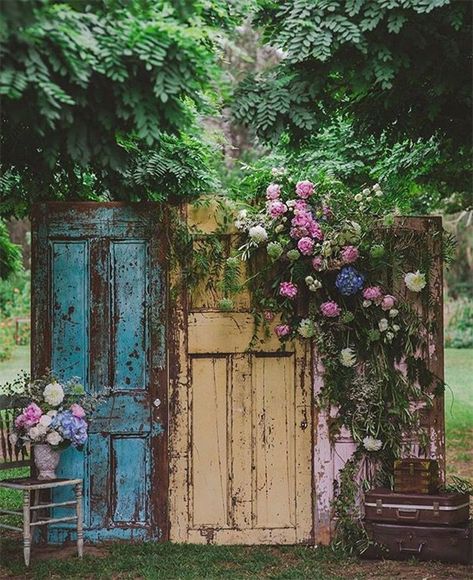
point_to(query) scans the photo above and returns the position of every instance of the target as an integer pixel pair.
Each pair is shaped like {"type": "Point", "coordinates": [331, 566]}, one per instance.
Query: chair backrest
{"type": "Point", "coordinates": [10, 457]}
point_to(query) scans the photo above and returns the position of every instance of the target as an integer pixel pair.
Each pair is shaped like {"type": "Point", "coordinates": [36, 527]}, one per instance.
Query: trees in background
{"type": "Point", "coordinates": [398, 71]}
{"type": "Point", "coordinates": [102, 98]}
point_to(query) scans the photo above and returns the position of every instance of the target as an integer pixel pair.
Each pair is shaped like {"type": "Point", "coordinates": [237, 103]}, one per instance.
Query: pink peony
{"type": "Point", "coordinates": [317, 263]}
{"type": "Point", "coordinates": [388, 302]}
{"type": "Point", "coordinates": [300, 205]}
{"type": "Point", "coordinates": [282, 330]}
{"type": "Point", "coordinates": [350, 254]}
{"type": "Point", "coordinates": [373, 293]}
{"type": "Point", "coordinates": [276, 208]}
{"type": "Point", "coordinates": [304, 189]}
{"type": "Point", "coordinates": [30, 416]}
{"type": "Point", "coordinates": [306, 246]}
{"type": "Point", "coordinates": [330, 309]}
{"type": "Point", "coordinates": [288, 290]}
{"type": "Point", "coordinates": [77, 411]}
{"type": "Point", "coordinates": [273, 191]}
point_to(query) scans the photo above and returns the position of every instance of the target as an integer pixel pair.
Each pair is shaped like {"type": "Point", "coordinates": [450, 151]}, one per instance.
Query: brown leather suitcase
{"type": "Point", "coordinates": [402, 542]}
{"type": "Point", "coordinates": [444, 509]}
{"type": "Point", "coordinates": [416, 476]}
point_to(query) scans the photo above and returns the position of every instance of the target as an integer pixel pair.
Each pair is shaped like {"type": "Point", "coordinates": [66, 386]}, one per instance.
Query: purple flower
{"type": "Point", "coordinates": [350, 254]}
{"type": "Point", "coordinates": [282, 330]}
{"type": "Point", "coordinates": [273, 191]}
{"type": "Point", "coordinates": [288, 290]}
{"type": "Point", "coordinates": [349, 281]}
{"type": "Point", "coordinates": [330, 309]}
{"type": "Point", "coordinates": [276, 208]}
{"type": "Point", "coordinates": [304, 189]}
{"type": "Point", "coordinates": [306, 246]}
{"type": "Point", "coordinates": [30, 416]}
{"type": "Point", "coordinates": [373, 293]}
{"type": "Point", "coordinates": [71, 428]}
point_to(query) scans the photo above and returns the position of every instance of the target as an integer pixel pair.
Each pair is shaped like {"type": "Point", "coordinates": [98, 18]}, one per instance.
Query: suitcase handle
{"type": "Point", "coordinates": [411, 550]}
{"type": "Point", "coordinates": [407, 514]}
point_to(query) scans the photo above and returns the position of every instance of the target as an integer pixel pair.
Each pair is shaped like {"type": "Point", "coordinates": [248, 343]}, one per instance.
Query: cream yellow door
{"type": "Point", "coordinates": [241, 436]}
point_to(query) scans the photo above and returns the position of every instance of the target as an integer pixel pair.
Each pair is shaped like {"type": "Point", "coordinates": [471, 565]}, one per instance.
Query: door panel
{"type": "Point", "coordinates": [103, 297]}
{"type": "Point", "coordinates": [244, 414]}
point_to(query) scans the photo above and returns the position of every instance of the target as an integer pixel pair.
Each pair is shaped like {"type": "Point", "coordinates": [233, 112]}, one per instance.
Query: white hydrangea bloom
{"type": "Point", "coordinates": [366, 303]}
{"type": "Point", "coordinates": [415, 281]}
{"type": "Point", "coordinates": [372, 444]}
{"type": "Point", "coordinates": [53, 394]}
{"type": "Point", "coordinates": [393, 313]}
{"type": "Point", "coordinates": [258, 234]}
{"type": "Point", "coordinates": [348, 357]}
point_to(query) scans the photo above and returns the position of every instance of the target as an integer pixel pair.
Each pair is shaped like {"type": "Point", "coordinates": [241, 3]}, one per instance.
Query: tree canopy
{"type": "Point", "coordinates": [402, 66]}
{"type": "Point", "coordinates": [93, 91]}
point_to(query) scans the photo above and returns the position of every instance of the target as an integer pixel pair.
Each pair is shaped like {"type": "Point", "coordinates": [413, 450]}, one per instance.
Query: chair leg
{"type": "Point", "coordinates": [26, 527]}
{"type": "Point", "coordinates": [80, 534]}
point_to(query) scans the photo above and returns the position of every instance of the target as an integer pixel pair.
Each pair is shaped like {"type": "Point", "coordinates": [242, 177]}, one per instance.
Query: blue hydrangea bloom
{"type": "Point", "coordinates": [349, 281]}
{"type": "Point", "coordinates": [70, 427]}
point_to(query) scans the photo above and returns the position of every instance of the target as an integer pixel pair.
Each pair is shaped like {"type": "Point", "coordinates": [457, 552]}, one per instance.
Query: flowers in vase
{"type": "Point", "coordinates": [53, 413]}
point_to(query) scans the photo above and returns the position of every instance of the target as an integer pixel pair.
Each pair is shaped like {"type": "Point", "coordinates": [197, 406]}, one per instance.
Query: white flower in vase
{"type": "Point", "coordinates": [53, 438]}
{"type": "Point", "coordinates": [53, 394]}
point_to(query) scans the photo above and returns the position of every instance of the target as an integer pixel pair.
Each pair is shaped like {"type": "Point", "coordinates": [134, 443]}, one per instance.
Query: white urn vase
{"type": "Point", "coordinates": [46, 459]}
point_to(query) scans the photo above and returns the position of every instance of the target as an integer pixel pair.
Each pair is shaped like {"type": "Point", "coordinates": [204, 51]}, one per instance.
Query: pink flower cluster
{"type": "Point", "coordinates": [304, 225]}
{"type": "Point", "coordinates": [30, 416]}
{"type": "Point", "coordinates": [304, 189]}
{"type": "Point", "coordinates": [330, 309]}
{"type": "Point", "coordinates": [288, 290]}
{"type": "Point", "coordinates": [317, 263]}
{"type": "Point", "coordinates": [349, 254]}
{"type": "Point", "coordinates": [276, 208]}
{"type": "Point", "coordinates": [375, 294]}
{"type": "Point", "coordinates": [273, 191]}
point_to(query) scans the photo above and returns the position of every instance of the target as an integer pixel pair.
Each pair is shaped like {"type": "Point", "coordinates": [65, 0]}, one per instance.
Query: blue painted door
{"type": "Point", "coordinates": [99, 314]}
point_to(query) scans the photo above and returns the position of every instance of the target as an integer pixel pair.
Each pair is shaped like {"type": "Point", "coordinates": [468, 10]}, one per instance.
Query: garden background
{"type": "Point", "coordinates": [167, 101]}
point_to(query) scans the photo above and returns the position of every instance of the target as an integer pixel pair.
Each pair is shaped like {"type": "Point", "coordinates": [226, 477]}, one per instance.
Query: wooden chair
{"type": "Point", "coordinates": [32, 488]}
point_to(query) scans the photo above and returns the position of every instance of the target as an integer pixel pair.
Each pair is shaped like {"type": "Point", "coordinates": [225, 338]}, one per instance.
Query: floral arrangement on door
{"type": "Point", "coordinates": [330, 266]}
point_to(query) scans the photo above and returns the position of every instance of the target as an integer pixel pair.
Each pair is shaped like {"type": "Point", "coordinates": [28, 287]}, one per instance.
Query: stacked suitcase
{"type": "Point", "coordinates": [415, 520]}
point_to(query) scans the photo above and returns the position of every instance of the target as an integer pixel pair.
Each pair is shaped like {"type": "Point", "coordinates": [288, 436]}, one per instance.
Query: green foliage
{"type": "Point", "coordinates": [80, 79]}
{"type": "Point", "coordinates": [10, 254]}
{"type": "Point", "coordinates": [410, 172]}
{"type": "Point", "coordinates": [397, 69]}
{"type": "Point", "coordinates": [14, 302]}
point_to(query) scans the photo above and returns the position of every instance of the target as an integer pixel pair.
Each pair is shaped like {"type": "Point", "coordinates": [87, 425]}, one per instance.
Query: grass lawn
{"type": "Point", "coordinates": [174, 561]}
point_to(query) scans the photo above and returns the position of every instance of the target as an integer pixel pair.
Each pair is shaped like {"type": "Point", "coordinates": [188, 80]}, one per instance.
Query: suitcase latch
{"type": "Point", "coordinates": [379, 506]}
{"type": "Point", "coordinates": [436, 508]}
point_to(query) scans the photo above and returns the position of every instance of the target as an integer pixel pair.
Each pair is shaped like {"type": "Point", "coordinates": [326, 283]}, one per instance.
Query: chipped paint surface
{"type": "Point", "coordinates": [241, 430]}
{"type": "Point", "coordinates": [99, 308]}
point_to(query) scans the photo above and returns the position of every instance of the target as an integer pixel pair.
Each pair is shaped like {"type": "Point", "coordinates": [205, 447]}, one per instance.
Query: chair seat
{"type": "Point", "coordinates": [30, 483]}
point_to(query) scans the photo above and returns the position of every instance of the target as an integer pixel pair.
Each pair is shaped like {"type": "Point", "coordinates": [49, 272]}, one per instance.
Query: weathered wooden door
{"type": "Point", "coordinates": [241, 426]}
{"type": "Point", "coordinates": [99, 314]}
